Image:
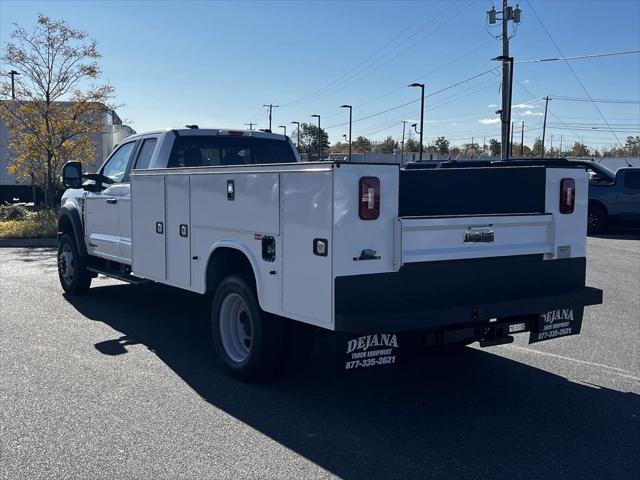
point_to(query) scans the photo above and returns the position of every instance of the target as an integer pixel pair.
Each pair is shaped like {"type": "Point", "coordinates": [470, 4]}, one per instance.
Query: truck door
{"type": "Point", "coordinates": [102, 216]}
{"type": "Point", "coordinates": [142, 158]}
{"type": "Point", "coordinates": [630, 196]}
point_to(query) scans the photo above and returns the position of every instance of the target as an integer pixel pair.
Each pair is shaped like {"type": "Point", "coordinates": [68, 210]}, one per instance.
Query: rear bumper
{"type": "Point", "coordinates": [465, 313]}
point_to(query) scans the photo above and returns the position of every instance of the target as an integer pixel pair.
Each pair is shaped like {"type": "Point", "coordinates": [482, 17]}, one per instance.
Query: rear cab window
{"type": "Point", "coordinates": [221, 150]}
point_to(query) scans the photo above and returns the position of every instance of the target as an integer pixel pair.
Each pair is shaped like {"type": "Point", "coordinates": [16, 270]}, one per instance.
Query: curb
{"type": "Point", "coordinates": [28, 242]}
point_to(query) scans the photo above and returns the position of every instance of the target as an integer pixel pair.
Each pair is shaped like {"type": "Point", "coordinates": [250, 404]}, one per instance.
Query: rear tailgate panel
{"type": "Point", "coordinates": [449, 238]}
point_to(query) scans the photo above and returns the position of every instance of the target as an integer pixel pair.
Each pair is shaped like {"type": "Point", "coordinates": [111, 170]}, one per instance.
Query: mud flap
{"type": "Point", "coordinates": [357, 352]}
{"type": "Point", "coordinates": [556, 323]}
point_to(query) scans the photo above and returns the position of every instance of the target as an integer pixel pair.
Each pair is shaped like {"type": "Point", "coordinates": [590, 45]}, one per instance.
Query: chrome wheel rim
{"type": "Point", "coordinates": [66, 264]}
{"type": "Point", "coordinates": [236, 333]}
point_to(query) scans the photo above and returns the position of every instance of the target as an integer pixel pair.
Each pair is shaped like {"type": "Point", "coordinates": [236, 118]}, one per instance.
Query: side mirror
{"type": "Point", "coordinates": [72, 175]}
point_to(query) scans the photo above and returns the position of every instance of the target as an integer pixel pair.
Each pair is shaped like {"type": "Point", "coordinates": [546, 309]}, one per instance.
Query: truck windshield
{"type": "Point", "coordinates": [213, 150]}
{"type": "Point", "coordinates": [600, 173]}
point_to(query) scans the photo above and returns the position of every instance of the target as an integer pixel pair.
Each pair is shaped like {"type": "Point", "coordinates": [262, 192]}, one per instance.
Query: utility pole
{"type": "Point", "coordinates": [271, 107]}
{"type": "Point", "coordinates": [514, 15]}
{"type": "Point", "coordinates": [511, 142]}
{"type": "Point", "coordinates": [404, 124]}
{"type": "Point", "coordinates": [421, 85]}
{"type": "Point", "coordinates": [471, 147]}
{"type": "Point", "coordinates": [319, 138]}
{"type": "Point", "coordinates": [350, 122]}
{"type": "Point", "coordinates": [251, 124]}
{"type": "Point", "coordinates": [544, 123]}
{"type": "Point", "coordinates": [484, 146]}
{"type": "Point", "coordinates": [560, 144]}
{"type": "Point", "coordinates": [13, 73]}
{"type": "Point", "coordinates": [522, 140]}
{"type": "Point", "coordinates": [551, 147]}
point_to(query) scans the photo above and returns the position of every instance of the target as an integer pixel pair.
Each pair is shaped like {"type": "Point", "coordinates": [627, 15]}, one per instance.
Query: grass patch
{"type": "Point", "coordinates": [38, 224]}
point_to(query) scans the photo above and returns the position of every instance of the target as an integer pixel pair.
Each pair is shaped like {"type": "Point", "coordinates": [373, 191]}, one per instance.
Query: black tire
{"type": "Point", "coordinates": [597, 219]}
{"type": "Point", "coordinates": [264, 333]}
{"type": "Point", "coordinates": [72, 271]}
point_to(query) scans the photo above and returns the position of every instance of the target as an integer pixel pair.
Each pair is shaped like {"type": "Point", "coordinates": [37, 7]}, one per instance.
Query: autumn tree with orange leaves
{"type": "Point", "coordinates": [58, 106]}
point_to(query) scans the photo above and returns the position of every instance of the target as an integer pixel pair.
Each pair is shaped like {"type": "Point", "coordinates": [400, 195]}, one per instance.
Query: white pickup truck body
{"type": "Point", "coordinates": [348, 247]}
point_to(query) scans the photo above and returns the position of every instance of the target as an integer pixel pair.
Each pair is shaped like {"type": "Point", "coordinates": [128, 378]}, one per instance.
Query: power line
{"type": "Point", "coordinates": [578, 57]}
{"type": "Point", "coordinates": [596, 100]}
{"type": "Point", "coordinates": [380, 61]}
{"type": "Point", "coordinates": [362, 62]}
{"type": "Point", "coordinates": [595, 105]}
{"type": "Point", "coordinates": [414, 101]}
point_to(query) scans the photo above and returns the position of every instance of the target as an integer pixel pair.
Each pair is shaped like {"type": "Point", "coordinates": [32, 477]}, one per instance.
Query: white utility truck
{"type": "Point", "coordinates": [379, 255]}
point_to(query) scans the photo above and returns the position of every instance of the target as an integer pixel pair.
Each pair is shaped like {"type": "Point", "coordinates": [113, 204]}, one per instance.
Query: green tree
{"type": "Point", "coordinates": [309, 140]}
{"type": "Point", "coordinates": [536, 151]}
{"type": "Point", "coordinates": [388, 145]}
{"type": "Point", "coordinates": [442, 145]}
{"type": "Point", "coordinates": [411, 145]}
{"type": "Point", "coordinates": [632, 146]}
{"type": "Point", "coordinates": [471, 149]}
{"type": "Point", "coordinates": [58, 107]}
{"type": "Point", "coordinates": [579, 150]}
{"type": "Point", "coordinates": [494, 147]}
{"type": "Point", "coordinates": [526, 151]}
{"type": "Point", "coordinates": [361, 145]}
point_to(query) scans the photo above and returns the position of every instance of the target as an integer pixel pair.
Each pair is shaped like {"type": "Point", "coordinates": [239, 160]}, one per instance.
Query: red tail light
{"type": "Point", "coordinates": [567, 195]}
{"type": "Point", "coordinates": [369, 198]}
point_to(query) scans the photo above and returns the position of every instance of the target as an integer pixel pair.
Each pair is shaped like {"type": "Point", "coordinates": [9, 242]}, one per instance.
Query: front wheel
{"type": "Point", "coordinates": [247, 340]}
{"type": "Point", "coordinates": [74, 276]}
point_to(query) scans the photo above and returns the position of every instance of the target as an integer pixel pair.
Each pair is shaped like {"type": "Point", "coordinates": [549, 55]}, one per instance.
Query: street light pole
{"type": "Point", "coordinates": [13, 73]}
{"type": "Point", "coordinates": [421, 85]}
{"type": "Point", "coordinates": [350, 122]}
{"type": "Point", "coordinates": [298, 125]}
{"type": "Point", "coordinates": [319, 138]}
{"type": "Point", "coordinates": [285, 129]}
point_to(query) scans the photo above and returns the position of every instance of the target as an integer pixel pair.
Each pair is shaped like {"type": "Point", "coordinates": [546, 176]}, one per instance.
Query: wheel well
{"type": "Point", "coordinates": [598, 204]}
{"type": "Point", "coordinates": [65, 225]}
{"type": "Point", "coordinates": [225, 261]}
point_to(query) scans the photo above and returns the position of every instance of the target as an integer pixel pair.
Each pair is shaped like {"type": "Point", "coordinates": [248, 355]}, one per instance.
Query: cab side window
{"type": "Point", "coordinates": [632, 180]}
{"type": "Point", "coordinates": [146, 151]}
{"type": "Point", "coordinates": [116, 167]}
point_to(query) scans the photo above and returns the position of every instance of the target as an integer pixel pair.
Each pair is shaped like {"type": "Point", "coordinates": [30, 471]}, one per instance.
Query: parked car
{"type": "Point", "coordinates": [379, 256]}
{"type": "Point", "coordinates": [614, 197]}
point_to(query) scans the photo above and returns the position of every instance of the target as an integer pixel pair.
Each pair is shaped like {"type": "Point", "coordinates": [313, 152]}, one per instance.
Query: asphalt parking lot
{"type": "Point", "coordinates": [121, 384]}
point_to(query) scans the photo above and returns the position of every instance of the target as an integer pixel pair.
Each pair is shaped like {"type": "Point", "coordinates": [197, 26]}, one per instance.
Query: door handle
{"type": "Point", "coordinates": [112, 200]}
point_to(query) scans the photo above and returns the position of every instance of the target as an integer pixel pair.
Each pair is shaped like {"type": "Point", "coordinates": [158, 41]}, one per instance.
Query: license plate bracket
{"type": "Point", "coordinates": [556, 323]}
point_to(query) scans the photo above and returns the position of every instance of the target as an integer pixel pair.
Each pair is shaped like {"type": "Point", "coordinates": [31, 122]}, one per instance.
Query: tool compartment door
{"type": "Point", "coordinates": [148, 226]}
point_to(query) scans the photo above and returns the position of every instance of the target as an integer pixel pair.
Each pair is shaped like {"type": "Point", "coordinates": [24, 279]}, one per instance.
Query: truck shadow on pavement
{"type": "Point", "coordinates": [472, 414]}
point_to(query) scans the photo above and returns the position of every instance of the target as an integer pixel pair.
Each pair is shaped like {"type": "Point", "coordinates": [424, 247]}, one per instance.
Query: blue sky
{"type": "Point", "coordinates": [216, 63]}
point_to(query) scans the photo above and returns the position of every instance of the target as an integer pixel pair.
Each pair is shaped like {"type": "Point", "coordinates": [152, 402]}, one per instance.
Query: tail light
{"type": "Point", "coordinates": [369, 198]}
{"type": "Point", "coordinates": [567, 195]}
